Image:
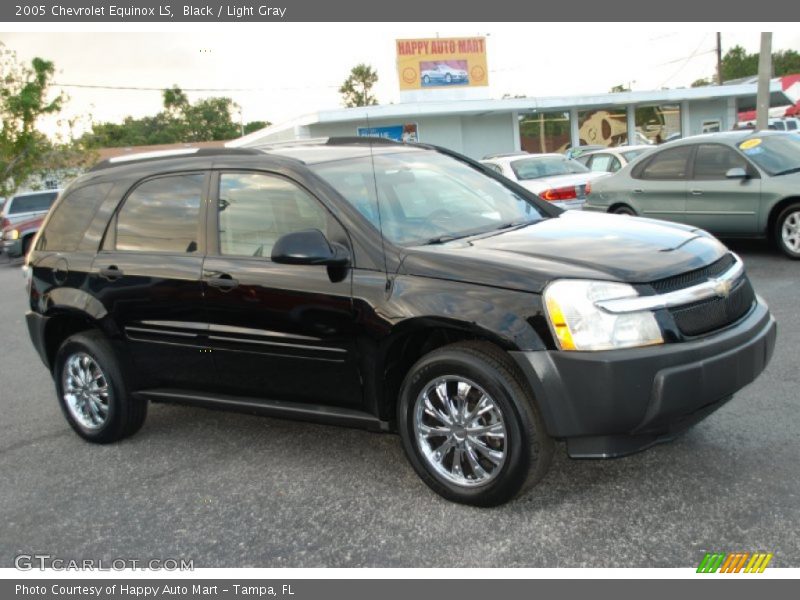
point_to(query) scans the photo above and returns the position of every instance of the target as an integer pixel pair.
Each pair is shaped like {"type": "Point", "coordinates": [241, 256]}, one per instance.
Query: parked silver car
{"type": "Point", "coordinates": [733, 184]}
{"type": "Point", "coordinates": [611, 160]}
{"type": "Point", "coordinates": [553, 177]}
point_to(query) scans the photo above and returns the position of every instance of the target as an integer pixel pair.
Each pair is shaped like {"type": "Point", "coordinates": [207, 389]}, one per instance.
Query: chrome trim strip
{"type": "Point", "coordinates": [261, 332]}
{"type": "Point", "coordinates": [163, 332]}
{"type": "Point", "coordinates": [222, 338]}
{"type": "Point", "coordinates": [719, 286]}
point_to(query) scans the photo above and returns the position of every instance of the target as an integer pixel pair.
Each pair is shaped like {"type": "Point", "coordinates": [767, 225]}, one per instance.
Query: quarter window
{"type": "Point", "coordinates": [72, 217]}
{"type": "Point", "coordinates": [713, 161]}
{"type": "Point", "coordinates": [162, 215]}
{"type": "Point", "coordinates": [668, 164]}
{"type": "Point", "coordinates": [256, 209]}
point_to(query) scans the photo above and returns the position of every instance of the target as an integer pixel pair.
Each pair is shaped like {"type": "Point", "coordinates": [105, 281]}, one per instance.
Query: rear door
{"type": "Point", "coordinates": [147, 275]}
{"type": "Point", "coordinates": [658, 189]}
{"type": "Point", "coordinates": [277, 331]}
{"type": "Point", "coordinates": [717, 203]}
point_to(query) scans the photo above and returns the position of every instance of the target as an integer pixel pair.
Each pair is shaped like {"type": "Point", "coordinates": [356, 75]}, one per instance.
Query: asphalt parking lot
{"type": "Point", "coordinates": [230, 490]}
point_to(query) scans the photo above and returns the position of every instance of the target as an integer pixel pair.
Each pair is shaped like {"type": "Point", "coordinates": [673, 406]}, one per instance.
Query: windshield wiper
{"type": "Point", "coordinates": [787, 171]}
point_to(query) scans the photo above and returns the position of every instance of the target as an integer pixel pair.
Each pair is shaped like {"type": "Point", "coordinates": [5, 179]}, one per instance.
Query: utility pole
{"type": "Point", "coordinates": [764, 76]}
{"type": "Point", "coordinates": [719, 58]}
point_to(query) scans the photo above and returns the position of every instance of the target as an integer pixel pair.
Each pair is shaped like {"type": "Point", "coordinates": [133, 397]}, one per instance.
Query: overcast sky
{"type": "Point", "coordinates": [289, 69]}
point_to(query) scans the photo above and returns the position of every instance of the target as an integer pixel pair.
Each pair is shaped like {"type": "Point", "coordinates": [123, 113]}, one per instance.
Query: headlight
{"type": "Point", "coordinates": [11, 234]}
{"type": "Point", "coordinates": [578, 324]}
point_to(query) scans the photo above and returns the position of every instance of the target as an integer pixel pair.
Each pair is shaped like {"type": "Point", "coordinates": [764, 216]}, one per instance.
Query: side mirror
{"type": "Point", "coordinates": [309, 247]}
{"type": "Point", "coordinates": [737, 173]}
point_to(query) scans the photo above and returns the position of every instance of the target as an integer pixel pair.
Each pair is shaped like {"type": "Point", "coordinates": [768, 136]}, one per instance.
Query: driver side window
{"type": "Point", "coordinates": [255, 209]}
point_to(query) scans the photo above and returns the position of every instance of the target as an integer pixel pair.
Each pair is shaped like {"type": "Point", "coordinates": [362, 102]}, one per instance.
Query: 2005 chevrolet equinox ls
{"type": "Point", "coordinates": [396, 287]}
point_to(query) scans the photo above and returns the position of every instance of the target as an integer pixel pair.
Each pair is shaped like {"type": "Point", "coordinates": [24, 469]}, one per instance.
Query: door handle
{"type": "Point", "coordinates": [696, 192]}
{"type": "Point", "coordinates": [638, 191]}
{"type": "Point", "coordinates": [223, 281]}
{"type": "Point", "coordinates": [111, 273]}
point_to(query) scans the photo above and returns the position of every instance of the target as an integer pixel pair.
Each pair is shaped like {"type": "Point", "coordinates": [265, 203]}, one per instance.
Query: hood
{"type": "Point", "coordinates": [556, 181]}
{"type": "Point", "coordinates": [574, 245]}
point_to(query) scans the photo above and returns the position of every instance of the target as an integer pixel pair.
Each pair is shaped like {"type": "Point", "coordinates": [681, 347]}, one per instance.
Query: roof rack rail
{"type": "Point", "coordinates": [362, 139]}
{"type": "Point", "coordinates": [167, 154]}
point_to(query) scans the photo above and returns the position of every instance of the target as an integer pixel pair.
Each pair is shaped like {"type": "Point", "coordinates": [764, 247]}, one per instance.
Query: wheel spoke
{"type": "Point", "coordinates": [493, 430]}
{"type": "Point", "coordinates": [429, 432]}
{"type": "Point", "coordinates": [434, 412]}
{"type": "Point", "coordinates": [441, 451]}
{"type": "Point", "coordinates": [474, 463]}
{"type": "Point", "coordinates": [444, 398]}
{"type": "Point", "coordinates": [495, 456]}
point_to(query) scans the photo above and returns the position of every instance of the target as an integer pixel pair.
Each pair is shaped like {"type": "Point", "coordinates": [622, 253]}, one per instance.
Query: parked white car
{"type": "Point", "coordinates": [554, 177]}
{"type": "Point", "coordinates": [611, 160]}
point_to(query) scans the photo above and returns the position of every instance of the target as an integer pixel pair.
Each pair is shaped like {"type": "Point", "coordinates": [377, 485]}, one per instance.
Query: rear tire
{"type": "Point", "coordinates": [623, 209]}
{"type": "Point", "coordinates": [787, 231]}
{"type": "Point", "coordinates": [92, 392]}
{"type": "Point", "coordinates": [495, 441]}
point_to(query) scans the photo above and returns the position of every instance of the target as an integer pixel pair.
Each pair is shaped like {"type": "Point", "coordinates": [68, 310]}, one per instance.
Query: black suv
{"type": "Point", "coordinates": [396, 287]}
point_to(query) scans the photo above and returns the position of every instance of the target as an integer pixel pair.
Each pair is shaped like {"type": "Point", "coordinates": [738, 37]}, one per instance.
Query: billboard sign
{"type": "Point", "coordinates": [431, 63]}
{"type": "Point", "coordinates": [398, 133]}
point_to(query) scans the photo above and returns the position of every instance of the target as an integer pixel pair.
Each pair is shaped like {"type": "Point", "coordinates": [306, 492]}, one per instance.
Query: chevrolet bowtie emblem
{"type": "Point", "coordinates": [722, 287]}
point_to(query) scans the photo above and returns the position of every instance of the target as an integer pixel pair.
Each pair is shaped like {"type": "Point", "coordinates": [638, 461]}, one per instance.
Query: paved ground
{"type": "Point", "coordinates": [233, 490]}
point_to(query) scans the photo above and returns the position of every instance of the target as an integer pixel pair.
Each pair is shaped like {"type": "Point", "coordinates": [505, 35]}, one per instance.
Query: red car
{"type": "Point", "coordinates": [18, 237]}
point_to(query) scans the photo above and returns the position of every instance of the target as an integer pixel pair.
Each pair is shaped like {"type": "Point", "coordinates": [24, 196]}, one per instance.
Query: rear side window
{"type": "Point", "coordinates": [72, 217]}
{"type": "Point", "coordinates": [668, 164]}
{"type": "Point", "coordinates": [32, 203]}
{"type": "Point", "coordinates": [713, 161]}
{"type": "Point", "coordinates": [162, 215]}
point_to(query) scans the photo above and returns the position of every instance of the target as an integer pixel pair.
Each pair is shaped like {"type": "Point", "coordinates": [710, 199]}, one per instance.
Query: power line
{"type": "Point", "coordinates": [161, 89]}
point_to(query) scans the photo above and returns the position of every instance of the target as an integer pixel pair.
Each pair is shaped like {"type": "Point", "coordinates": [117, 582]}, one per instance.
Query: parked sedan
{"type": "Point", "coordinates": [734, 184]}
{"type": "Point", "coordinates": [17, 238]}
{"type": "Point", "coordinates": [611, 160]}
{"type": "Point", "coordinates": [553, 177]}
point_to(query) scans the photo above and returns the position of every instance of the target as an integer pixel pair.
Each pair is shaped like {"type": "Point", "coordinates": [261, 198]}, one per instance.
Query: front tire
{"type": "Point", "coordinates": [787, 231]}
{"type": "Point", "coordinates": [92, 392]}
{"type": "Point", "coordinates": [469, 425]}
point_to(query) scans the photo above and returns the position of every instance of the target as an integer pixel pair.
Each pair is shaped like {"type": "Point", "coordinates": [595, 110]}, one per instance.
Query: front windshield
{"type": "Point", "coordinates": [425, 196]}
{"type": "Point", "coordinates": [776, 154]}
{"type": "Point", "coordinates": [545, 166]}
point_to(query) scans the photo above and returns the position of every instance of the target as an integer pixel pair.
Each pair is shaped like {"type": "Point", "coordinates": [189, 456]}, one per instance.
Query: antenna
{"type": "Point", "coordinates": [377, 202]}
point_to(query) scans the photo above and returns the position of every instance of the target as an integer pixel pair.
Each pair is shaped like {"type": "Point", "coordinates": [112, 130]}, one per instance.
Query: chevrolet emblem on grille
{"type": "Point", "coordinates": [722, 287]}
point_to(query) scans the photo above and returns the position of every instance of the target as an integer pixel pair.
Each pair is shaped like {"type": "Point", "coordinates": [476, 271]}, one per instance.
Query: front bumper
{"type": "Point", "coordinates": [617, 402]}
{"type": "Point", "coordinates": [12, 248]}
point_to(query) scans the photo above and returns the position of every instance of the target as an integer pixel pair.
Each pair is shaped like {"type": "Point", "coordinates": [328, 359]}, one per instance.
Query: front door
{"type": "Point", "coordinates": [277, 331]}
{"type": "Point", "coordinates": [719, 204]}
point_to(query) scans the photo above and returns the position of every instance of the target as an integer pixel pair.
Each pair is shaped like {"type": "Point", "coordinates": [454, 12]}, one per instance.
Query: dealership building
{"type": "Point", "coordinates": [478, 127]}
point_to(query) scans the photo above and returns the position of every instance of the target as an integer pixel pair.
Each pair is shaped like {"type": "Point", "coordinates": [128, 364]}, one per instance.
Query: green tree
{"type": "Point", "coordinates": [357, 88]}
{"type": "Point", "coordinates": [25, 97]}
{"type": "Point", "coordinates": [737, 63]}
{"type": "Point", "coordinates": [255, 126]}
{"type": "Point", "coordinates": [701, 82]}
{"type": "Point", "coordinates": [208, 119]}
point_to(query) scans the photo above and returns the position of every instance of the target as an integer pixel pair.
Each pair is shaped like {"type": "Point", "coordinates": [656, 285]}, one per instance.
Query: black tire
{"type": "Point", "coordinates": [528, 449]}
{"type": "Point", "coordinates": [125, 414]}
{"type": "Point", "coordinates": [791, 214]}
{"type": "Point", "coordinates": [425, 79]}
{"type": "Point", "coordinates": [623, 209]}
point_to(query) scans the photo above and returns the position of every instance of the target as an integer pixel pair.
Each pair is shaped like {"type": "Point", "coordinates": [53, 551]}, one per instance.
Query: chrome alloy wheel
{"type": "Point", "coordinates": [460, 431]}
{"type": "Point", "coordinates": [790, 231]}
{"type": "Point", "coordinates": [85, 389]}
